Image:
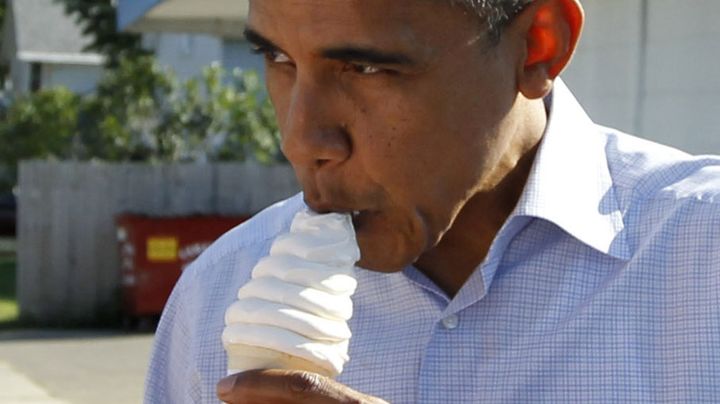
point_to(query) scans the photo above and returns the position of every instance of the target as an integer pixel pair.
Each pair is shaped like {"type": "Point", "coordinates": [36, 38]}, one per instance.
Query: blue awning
{"type": "Point", "coordinates": [225, 18]}
{"type": "Point", "coordinates": [131, 11]}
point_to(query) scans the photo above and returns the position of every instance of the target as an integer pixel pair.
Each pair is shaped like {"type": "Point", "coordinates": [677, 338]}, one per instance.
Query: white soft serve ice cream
{"type": "Point", "coordinates": [298, 300]}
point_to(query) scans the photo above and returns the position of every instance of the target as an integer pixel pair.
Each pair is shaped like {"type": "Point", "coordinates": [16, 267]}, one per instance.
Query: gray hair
{"type": "Point", "coordinates": [496, 14]}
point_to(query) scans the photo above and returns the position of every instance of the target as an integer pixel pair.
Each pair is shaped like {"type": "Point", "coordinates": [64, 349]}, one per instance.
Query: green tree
{"type": "Point", "coordinates": [3, 67]}
{"type": "Point", "coordinates": [143, 113]}
{"type": "Point", "coordinates": [39, 125]}
{"type": "Point", "coordinates": [118, 123]}
{"type": "Point", "coordinates": [252, 126]}
{"type": "Point", "coordinates": [98, 20]}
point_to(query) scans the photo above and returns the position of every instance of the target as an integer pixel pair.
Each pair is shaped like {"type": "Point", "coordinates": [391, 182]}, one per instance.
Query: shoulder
{"type": "Point", "coordinates": [188, 356]}
{"type": "Point", "coordinates": [647, 171]}
{"type": "Point", "coordinates": [265, 225]}
{"type": "Point", "coordinates": [247, 240]}
{"type": "Point", "coordinates": [227, 263]}
{"type": "Point", "coordinates": [667, 197]}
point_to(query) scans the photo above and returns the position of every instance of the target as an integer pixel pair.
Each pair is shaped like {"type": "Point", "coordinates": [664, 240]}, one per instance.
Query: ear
{"type": "Point", "coordinates": [551, 29]}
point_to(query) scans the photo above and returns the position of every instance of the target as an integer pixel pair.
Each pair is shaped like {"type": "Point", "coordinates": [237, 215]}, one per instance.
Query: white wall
{"type": "Point", "coordinates": [186, 54]}
{"type": "Point", "coordinates": [19, 76]}
{"type": "Point", "coordinates": [80, 79]}
{"type": "Point", "coordinates": [683, 78]}
{"type": "Point", "coordinates": [237, 53]}
{"type": "Point", "coordinates": [604, 72]}
{"type": "Point", "coordinates": [189, 54]}
{"type": "Point", "coordinates": [652, 73]}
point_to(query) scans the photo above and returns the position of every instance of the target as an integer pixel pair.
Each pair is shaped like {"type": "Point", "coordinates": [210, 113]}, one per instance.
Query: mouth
{"type": "Point", "coordinates": [357, 216]}
{"type": "Point", "coordinates": [361, 219]}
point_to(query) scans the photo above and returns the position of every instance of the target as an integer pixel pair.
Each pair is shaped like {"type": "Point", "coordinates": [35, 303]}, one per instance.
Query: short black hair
{"type": "Point", "coordinates": [496, 14]}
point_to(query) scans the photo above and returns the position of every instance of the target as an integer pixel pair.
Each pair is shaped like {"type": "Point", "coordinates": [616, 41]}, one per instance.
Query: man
{"type": "Point", "coordinates": [514, 251]}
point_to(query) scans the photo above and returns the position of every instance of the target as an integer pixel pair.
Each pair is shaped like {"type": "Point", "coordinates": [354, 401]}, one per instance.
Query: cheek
{"type": "Point", "coordinates": [427, 159]}
{"type": "Point", "coordinates": [279, 86]}
{"type": "Point", "coordinates": [421, 187]}
{"type": "Point", "coordinates": [389, 147]}
{"type": "Point", "coordinates": [411, 144]}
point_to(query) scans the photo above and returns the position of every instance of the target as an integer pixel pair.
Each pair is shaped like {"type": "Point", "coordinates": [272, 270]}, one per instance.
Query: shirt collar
{"type": "Point", "coordinates": [570, 183]}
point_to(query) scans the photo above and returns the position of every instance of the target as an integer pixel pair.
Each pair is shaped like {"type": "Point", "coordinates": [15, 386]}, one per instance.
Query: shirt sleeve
{"type": "Point", "coordinates": [172, 376]}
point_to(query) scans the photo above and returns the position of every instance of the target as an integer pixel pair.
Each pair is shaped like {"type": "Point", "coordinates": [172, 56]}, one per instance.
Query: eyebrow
{"type": "Point", "coordinates": [342, 53]}
{"type": "Point", "coordinates": [349, 53]}
{"type": "Point", "coordinates": [258, 40]}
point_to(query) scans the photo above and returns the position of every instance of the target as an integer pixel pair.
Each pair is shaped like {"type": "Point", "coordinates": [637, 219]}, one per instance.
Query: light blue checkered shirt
{"type": "Point", "coordinates": [603, 286]}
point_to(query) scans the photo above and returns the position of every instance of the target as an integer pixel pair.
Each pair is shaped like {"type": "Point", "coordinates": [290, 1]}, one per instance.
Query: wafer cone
{"type": "Point", "coordinates": [246, 357]}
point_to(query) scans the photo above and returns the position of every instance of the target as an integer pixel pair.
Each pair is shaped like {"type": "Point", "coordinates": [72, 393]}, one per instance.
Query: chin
{"type": "Point", "coordinates": [386, 243]}
{"type": "Point", "coordinates": [382, 256]}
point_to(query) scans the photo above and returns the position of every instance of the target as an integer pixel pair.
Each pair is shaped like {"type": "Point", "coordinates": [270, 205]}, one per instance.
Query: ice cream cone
{"type": "Point", "coordinates": [293, 312]}
{"type": "Point", "coordinates": [246, 357]}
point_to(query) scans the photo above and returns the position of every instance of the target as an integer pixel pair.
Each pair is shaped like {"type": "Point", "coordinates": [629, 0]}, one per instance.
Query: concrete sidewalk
{"type": "Point", "coordinates": [72, 367]}
{"type": "Point", "coordinates": [17, 388]}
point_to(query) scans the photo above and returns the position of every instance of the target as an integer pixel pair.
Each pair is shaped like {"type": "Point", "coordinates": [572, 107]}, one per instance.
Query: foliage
{"type": "Point", "coordinates": [98, 20]}
{"type": "Point", "coordinates": [8, 302]}
{"type": "Point", "coordinates": [143, 113]}
{"type": "Point", "coordinates": [31, 116]}
{"type": "Point", "coordinates": [3, 67]}
{"type": "Point", "coordinates": [41, 125]}
{"type": "Point", "coordinates": [116, 124]}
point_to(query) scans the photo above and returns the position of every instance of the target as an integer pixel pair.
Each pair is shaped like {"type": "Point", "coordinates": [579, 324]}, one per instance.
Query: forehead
{"type": "Point", "coordinates": [325, 22]}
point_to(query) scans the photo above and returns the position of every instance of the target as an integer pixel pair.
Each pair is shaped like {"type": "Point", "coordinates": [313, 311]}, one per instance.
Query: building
{"type": "Point", "coordinates": [647, 67]}
{"type": "Point", "coordinates": [650, 67]}
{"type": "Point", "coordinates": [44, 48]}
{"type": "Point", "coordinates": [188, 35]}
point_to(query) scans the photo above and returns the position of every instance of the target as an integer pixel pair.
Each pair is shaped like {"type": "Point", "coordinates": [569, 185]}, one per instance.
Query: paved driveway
{"type": "Point", "coordinates": [74, 367]}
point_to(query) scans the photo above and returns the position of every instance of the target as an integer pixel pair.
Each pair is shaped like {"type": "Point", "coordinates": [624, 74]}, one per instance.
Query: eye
{"type": "Point", "coordinates": [272, 55]}
{"type": "Point", "coordinates": [276, 56]}
{"type": "Point", "coordinates": [363, 68]}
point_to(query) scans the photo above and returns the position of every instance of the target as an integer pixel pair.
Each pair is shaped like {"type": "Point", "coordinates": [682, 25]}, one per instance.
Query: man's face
{"type": "Point", "coordinates": [395, 109]}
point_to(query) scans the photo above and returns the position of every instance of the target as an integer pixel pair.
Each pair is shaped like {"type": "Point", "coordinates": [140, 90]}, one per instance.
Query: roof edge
{"type": "Point", "coordinates": [214, 26]}
{"type": "Point", "coordinates": [91, 59]}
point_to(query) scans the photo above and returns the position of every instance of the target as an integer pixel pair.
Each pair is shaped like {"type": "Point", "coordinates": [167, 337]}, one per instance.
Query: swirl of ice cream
{"type": "Point", "coordinates": [298, 299]}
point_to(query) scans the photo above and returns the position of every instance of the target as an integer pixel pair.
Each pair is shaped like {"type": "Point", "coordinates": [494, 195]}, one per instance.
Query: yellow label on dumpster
{"type": "Point", "coordinates": [162, 249]}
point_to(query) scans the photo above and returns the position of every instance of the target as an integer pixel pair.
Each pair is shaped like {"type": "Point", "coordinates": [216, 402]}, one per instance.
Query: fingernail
{"type": "Point", "coordinates": [226, 385]}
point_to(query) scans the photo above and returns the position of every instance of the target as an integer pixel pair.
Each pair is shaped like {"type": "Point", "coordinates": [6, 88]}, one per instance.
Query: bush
{"type": "Point", "coordinates": [143, 113]}
{"type": "Point", "coordinates": [42, 125]}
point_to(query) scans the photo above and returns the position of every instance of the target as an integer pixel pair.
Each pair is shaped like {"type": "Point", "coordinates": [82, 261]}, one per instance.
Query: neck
{"type": "Point", "coordinates": [465, 245]}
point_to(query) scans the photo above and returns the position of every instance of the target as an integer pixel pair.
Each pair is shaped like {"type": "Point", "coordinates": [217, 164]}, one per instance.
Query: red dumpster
{"type": "Point", "coordinates": [154, 251]}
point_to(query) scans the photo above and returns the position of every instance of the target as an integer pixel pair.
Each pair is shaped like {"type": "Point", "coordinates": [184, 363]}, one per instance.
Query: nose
{"type": "Point", "coordinates": [314, 134]}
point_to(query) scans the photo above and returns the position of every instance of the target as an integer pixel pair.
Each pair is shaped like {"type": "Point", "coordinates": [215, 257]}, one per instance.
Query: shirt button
{"type": "Point", "coordinates": [451, 322]}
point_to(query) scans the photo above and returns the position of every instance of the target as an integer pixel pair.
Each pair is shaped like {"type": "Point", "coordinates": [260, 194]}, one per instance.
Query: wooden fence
{"type": "Point", "coordinates": [68, 267]}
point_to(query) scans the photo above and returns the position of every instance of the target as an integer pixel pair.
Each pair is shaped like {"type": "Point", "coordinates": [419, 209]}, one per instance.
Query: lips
{"type": "Point", "coordinates": [357, 214]}
{"type": "Point", "coordinates": [323, 207]}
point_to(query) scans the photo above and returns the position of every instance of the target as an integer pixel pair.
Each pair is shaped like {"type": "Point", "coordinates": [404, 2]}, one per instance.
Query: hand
{"type": "Point", "coordinates": [287, 386]}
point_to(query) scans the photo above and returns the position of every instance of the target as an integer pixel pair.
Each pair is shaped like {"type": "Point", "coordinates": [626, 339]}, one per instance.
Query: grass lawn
{"type": "Point", "coordinates": [8, 304]}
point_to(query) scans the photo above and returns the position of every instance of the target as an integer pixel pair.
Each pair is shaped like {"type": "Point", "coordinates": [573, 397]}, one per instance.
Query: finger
{"type": "Point", "coordinates": [277, 386]}
{"type": "Point", "coordinates": [285, 386]}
